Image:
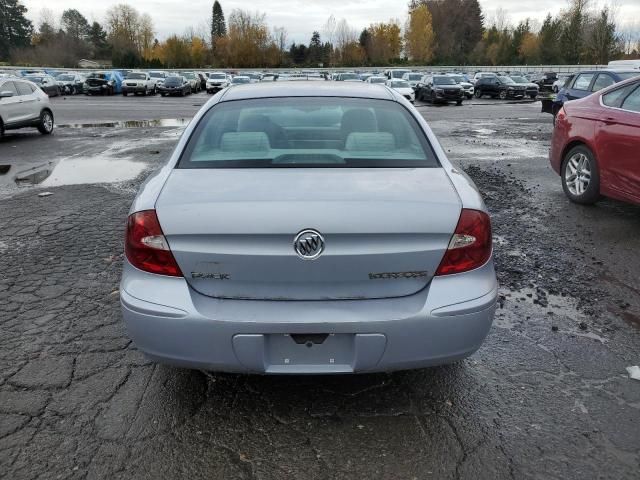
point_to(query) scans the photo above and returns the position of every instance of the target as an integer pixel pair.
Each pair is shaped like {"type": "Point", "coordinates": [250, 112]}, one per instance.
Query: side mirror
{"type": "Point", "coordinates": [6, 94]}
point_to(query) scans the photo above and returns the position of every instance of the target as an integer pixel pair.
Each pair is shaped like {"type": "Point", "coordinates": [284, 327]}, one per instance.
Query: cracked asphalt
{"type": "Point", "coordinates": [546, 397]}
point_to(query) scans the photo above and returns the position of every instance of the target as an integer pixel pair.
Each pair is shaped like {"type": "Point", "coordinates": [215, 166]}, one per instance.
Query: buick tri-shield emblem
{"type": "Point", "coordinates": [308, 244]}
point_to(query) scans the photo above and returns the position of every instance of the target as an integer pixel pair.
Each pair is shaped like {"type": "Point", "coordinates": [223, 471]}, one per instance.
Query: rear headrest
{"type": "Point", "coordinates": [245, 142]}
{"type": "Point", "coordinates": [358, 120]}
{"type": "Point", "coordinates": [370, 142]}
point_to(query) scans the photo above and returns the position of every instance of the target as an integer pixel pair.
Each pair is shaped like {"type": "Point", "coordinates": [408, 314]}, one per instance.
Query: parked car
{"type": "Point", "coordinates": [499, 87]}
{"type": "Point", "coordinates": [376, 79]}
{"type": "Point", "coordinates": [480, 75]}
{"type": "Point", "coordinates": [594, 147]}
{"type": "Point", "coordinates": [440, 89]}
{"type": "Point", "coordinates": [560, 82]}
{"type": "Point", "coordinates": [159, 76]}
{"type": "Point", "coordinates": [413, 79]}
{"type": "Point", "coordinates": [381, 249]}
{"type": "Point", "coordinates": [545, 80]}
{"type": "Point", "coordinates": [583, 84]}
{"type": "Point", "coordinates": [193, 80]}
{"type": "Point", "coordinates": [396, 73]}
{"type": "Point", "coordinates": [203, 80]}
{"type": "Point", "coordinates": [175, 85]}
{"type": "Point", "coordinates": [46, 82]}
{"type": "Point", "coordinates": [241, 80]}
{"type": "Point", "coordinates": [347, 77]}
{"type": "Point", "coordinates": [254, 77]}
{"type": "Point", "coordinates": [139, 82]}
{"type": "Point", "coordinates": [70, 83]}
{"type": "Point", "coordinates": [103, 83]}
{"type": "Point", "coordinates": [403, 88]}
{"type": "Point", "coordinates": [217, 81]}
{"type": "Point", "coordinates": [464, 82]}
{"type": "Point", "coordinates": [531, 89]}
{"type": "Point", "coordinates": [24, 104]}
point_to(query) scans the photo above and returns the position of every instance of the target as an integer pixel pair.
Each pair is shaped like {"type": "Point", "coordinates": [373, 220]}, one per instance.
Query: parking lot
{"type": "Point", "coordinates": [547, 395]}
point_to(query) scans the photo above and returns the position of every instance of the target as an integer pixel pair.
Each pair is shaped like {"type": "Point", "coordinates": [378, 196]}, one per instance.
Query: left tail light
{"type": "Point", "coordinates": [146, 247]}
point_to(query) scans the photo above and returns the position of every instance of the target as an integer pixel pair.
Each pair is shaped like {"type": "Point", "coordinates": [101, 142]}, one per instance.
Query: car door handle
{"type": "Point", "coordinates": [609, 120]}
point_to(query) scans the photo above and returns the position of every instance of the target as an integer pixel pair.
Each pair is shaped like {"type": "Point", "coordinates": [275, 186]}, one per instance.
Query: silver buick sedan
{"type": "Point", "coordinates": [304, 228]}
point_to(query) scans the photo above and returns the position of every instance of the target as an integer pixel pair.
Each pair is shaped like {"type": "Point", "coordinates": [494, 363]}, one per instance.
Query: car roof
{"type": "Point", "coordinates": [307, 89]}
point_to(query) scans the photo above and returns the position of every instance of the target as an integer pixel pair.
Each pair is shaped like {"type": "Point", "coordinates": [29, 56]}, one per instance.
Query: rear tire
{"type": "Point", "coordinates": [459, 103]}
{"type": "Point", "coordinates": [580, 176]}
{"type": "Point", "coordinates": [478, 93]}
{"type": "Point", "coordinates": [45, 125]}
{"type": "Point", "coordinates": [502, 95]}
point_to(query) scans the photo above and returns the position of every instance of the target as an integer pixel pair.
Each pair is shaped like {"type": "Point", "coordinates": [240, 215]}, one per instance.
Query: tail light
{"type": "Point", "coordinates": [470, 245]}
{"type": "Point", "coordinates": [145, 245]}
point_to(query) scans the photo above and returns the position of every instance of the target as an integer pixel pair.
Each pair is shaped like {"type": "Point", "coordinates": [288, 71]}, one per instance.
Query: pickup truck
{"type": "Point", "coordinates": [139, 82]}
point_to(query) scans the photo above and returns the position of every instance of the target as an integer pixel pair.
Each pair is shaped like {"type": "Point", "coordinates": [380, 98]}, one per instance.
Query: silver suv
{"type": "Point", "coordinates": [23, 104]}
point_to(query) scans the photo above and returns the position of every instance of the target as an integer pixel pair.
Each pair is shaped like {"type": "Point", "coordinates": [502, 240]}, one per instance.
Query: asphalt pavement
{"type": "Point", "coordinates": [546, 397]}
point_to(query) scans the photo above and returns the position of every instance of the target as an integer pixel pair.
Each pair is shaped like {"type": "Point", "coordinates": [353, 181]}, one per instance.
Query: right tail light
{"type": "Point", "coordinates": [470, 246]}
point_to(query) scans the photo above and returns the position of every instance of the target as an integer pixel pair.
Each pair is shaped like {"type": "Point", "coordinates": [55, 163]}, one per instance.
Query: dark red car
{"type": "Point", "coordinates": [595, 146]}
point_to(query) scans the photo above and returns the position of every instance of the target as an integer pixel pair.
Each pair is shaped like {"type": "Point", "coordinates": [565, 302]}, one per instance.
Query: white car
{"type": "Point", "coordinates": [217, 81]}
{"type": "Point", "coordinates": [466, 85]}
{"type": "Point", "coordinates": [413, 78]}
{"type": "Point", "coordinates": [139, 82]}
{"type": "Point", "coordinates": [559, 83]}
{"type": "Point", "coordinates": [193, 80]}
{"type": "Point", "coordinates": [159, 77]}
{"type": "Point", "coordinates": [375, 79]}
{"type": "Point", "coordinates": [403, 88]}
{"type": "Point", "coordinates": [24, 104]}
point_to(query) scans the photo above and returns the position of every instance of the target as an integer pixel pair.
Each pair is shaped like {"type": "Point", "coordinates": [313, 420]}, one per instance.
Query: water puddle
{"type": "Point", "coordinates": [162, 122]}
{"type": "Point", "coordinates": [69, 171]}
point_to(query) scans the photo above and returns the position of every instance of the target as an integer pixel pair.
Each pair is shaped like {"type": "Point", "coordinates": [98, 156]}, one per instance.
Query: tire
{"type": "Point", "coordinates": [124, 94]}
{"type": "Point", "coordinates": [555, 89]}
{"type": "Point", "coordinates": [478, 93]}
{"type": "Point", "coordinates": [580, 187]}
{"type": "Point", "coordinates": [146, 92]}
{"type": "Point", "coordinates": [155, 90]}
{"type": "Point", "coordinates": [45, 124]}
{"type": "Point", "coordinates": [502, 95]}
{"type": "Point", "coordinates": [459, 103]}
{"type": "Point", "coordinates": [162, 94]}
{"type": "Point", "coordinates": [432, 99]}
{"type": "Point", "coordinates": [533, 97]}
{"type": "Point", "coordinates": [469, 96]}
{"type": "Point", "coordinates": [1, 128]}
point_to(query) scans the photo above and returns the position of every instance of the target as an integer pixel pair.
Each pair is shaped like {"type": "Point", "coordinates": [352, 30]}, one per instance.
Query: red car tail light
{"type": "Point", "coordinates": [470, 245]}
{"type": "Point", "coordinates": [147, 248]}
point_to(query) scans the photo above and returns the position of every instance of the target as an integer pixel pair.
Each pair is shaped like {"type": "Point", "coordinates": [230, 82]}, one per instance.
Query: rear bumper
{"type": "Point", "coordinates": [171, 323]}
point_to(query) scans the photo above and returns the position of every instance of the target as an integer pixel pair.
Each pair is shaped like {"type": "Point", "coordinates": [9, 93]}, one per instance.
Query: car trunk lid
{"type": "Point", "coordinates": [232, 230]}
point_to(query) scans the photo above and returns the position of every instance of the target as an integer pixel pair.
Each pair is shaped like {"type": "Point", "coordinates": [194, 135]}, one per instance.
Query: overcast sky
{"type": "Point", "coordinates": [301, 17]}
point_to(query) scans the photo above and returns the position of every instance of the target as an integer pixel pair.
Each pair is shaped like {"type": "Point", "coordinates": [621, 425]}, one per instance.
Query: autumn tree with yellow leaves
{"type": "Point", "coordinates": [419, 36]}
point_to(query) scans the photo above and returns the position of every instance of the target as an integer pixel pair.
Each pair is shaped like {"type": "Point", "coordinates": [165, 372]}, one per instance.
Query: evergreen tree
{"type": "Point", "coordinates": [75, 24]}
{"type": "Point", "coordinates": [602, 43]}
{"type": "Point", "coordinates": [315, 49]}
{"type": "Point", "coordinates": [98, 38]}
{"type": "Point", "coordinates": [218, 24]}
{"type": "Point", "coordinates": [15, 28]}
{"type": "Point", "coordinates": [550, 34]}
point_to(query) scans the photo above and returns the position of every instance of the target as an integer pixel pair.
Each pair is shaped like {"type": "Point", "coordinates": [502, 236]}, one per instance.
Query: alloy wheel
{"type": "Point", "coordinates": [577, 174]}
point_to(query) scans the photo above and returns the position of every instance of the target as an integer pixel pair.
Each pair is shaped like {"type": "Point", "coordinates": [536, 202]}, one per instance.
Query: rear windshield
{"type": "Point", "coordinates": [307, 132]}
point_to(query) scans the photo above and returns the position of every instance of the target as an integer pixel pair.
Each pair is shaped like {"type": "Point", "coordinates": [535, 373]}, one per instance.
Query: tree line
{"type": "Point", "coordinates": [436, 32]}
